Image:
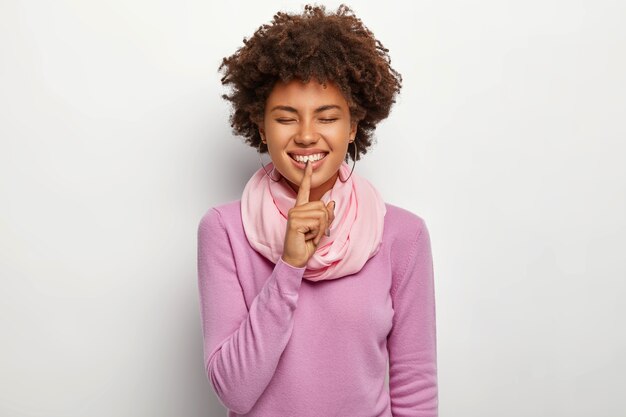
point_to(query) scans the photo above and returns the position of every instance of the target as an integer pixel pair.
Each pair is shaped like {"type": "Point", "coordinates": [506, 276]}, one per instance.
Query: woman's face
{"type": "Point", "coordinates": [307, 118]}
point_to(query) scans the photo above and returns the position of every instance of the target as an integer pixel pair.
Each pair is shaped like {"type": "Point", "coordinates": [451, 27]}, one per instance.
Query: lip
{"type": "Point", "coordinates": [300, 165]}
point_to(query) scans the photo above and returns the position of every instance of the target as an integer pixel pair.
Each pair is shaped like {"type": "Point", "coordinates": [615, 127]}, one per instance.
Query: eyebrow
{"type": "Point", "coordinates": [318, 110]}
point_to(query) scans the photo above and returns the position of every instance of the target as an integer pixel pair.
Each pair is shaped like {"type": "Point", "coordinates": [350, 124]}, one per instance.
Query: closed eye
{"type": "Point", "coordinates": [328, 120]}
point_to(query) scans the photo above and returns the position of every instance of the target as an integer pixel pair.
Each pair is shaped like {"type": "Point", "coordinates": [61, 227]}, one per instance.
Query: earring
{"type": "Point", "coordinates": [263, 166]}
{"type": "Point", "coordinates": [356, 151]}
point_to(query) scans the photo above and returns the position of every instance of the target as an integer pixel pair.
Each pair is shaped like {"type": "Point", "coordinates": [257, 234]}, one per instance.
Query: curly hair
{"type": "Point", "coordinates": [334, 47]}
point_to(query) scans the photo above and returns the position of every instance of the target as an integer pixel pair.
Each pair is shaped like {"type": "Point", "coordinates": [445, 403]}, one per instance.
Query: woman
{"type": "Point", "coordinates": [310, 282]}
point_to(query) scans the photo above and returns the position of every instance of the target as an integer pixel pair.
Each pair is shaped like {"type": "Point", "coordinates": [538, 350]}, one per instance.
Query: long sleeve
{"type": "Point", "coordinates": [412, 341]}
{"type": "Point", "coordinates": [241, 347]}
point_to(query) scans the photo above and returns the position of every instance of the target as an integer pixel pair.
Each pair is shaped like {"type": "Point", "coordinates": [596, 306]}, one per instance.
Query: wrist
{"type": "Point", "coordinates": [291, 263]}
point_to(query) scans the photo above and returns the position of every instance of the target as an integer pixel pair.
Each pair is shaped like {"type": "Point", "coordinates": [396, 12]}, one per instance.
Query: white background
{"type": "Point", "coordinates": [508, 139]}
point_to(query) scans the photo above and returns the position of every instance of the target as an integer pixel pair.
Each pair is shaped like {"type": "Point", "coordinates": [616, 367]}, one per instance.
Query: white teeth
{"type": "Point", "coordinates": [312, 158]}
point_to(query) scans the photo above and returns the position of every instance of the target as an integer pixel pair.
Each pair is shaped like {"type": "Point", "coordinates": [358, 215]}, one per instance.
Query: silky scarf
{"type": "Point", "coordinates": [355, 233]}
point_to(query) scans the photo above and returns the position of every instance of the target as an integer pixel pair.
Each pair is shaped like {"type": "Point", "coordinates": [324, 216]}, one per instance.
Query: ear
{"type": "Point", "coordinates": [353, 128]}
{"type": "Point", "coordinates": [261, 129]}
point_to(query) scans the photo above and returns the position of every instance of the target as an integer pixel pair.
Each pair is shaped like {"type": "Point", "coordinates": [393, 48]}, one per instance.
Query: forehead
{"type": "Point", "coordinates": [296, 93]}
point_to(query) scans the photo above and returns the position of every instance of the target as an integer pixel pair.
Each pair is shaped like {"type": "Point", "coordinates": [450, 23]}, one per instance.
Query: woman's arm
{"type": "Point", "coordinates": [412, 341]}
{"type": "Point", "coordinates": [241, 347]}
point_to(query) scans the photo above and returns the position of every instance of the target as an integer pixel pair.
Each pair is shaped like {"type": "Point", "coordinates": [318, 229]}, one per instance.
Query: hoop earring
{"type": "Point", "coordinates": [356, 151]}
{"type": "Point", "coordinates": [263, 166]}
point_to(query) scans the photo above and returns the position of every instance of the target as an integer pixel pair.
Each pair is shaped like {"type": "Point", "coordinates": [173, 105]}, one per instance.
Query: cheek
{"type": "Point", "coordinates": [279, 133]}
{"type": "Point", "coordinates": [338, 131]}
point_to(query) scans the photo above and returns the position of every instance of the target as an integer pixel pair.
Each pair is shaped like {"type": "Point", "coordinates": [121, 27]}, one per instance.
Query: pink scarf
{"type": "Point", "coordinates": [355, 234]}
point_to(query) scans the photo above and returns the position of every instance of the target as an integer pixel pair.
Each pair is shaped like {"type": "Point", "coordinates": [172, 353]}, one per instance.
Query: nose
{"type": "Point", "coordinates": [306, 133]}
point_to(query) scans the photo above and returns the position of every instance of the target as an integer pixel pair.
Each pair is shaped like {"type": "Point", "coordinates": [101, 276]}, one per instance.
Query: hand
{"type": "Point", "coordinates": [306, 222]}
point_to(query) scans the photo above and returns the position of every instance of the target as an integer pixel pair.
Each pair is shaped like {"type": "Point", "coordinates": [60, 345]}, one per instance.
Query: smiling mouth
{"type": "Point", "coordinates": [303, 160]}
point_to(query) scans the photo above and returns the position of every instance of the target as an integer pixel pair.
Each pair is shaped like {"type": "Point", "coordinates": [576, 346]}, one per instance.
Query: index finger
{"type": "Point", "coordinates": [305, 185]}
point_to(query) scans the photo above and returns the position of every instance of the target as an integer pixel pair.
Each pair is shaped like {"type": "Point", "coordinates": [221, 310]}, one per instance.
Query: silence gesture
{"type": "Point", "coordinates": [306, 223]}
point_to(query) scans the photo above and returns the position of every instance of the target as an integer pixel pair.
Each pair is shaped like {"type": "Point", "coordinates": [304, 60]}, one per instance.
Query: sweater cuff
{"type": "Point", "coordinates": [288, 278]}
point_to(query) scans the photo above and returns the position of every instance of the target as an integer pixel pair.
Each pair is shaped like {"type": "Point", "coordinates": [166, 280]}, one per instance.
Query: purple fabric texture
{"type": "Point", "coordinates": [276, 344]}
